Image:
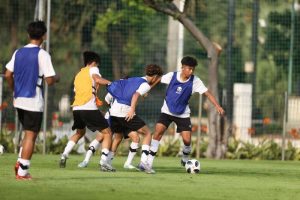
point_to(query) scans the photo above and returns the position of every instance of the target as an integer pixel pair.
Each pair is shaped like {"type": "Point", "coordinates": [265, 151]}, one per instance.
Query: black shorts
{"type": "Point", "coordinates": [30, 120]}
{"type": "Point", "coordinates": [183, 124]}
{"type": "Point", "coordinates": [92, 119]}
{"type": "Point", "coordinates": [120, 125]}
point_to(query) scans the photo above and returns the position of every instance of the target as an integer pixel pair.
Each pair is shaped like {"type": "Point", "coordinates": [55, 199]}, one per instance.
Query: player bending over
{"type": "Point", "coordinates": [123, 117]}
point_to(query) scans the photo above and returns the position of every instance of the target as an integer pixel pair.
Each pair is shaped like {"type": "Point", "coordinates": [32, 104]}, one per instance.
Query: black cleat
{"type": "Point", "coordinates": [63, 161]}
{"type": "Point", "coordinates": [182, 163]}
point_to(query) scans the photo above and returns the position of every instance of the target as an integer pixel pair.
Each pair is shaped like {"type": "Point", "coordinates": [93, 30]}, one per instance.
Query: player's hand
{"type": "Point", "coordinates": [220, 110]}
{"type": "Point", "coordinates": [98, 102]}
{"type": "Point", "coordinates": [129, 115]}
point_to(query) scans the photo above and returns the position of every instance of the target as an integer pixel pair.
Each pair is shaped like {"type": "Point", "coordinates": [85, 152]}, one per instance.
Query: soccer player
{"type": "Point", "coordinates": [117, 139]}
{"type": "Point", "coordinates": [181, 86]}
{"type": "Point", "coordinates": [26, 71]}
{"type": "Point", "coordinates": [126, 93]}
{"type": "Point", "coordinates": [86, 112]}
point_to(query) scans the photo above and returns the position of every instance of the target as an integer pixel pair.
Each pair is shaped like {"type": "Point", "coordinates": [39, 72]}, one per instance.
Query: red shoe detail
{"type": "Point", "coordinates": [26, 177]}
{"type": "Point", "coordinates": [17, 167]}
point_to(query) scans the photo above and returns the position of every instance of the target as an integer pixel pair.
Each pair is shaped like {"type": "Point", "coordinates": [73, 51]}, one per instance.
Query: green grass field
{"type": "Point", "coordinates": [219, 179]}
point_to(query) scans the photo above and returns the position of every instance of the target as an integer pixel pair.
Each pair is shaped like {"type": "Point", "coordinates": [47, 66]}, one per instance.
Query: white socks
{"type": "Point", "coordinates": [132, 151]}
{"type": "Point", "coordinates": [186, 152]}
{"type": "Point", "coordinates": [24, 166]}
{"type": "Point", "coordinates": [145, 153]}
{"type": "Point", "coordinates": [69, 148]}
{"type": "Point", "coordinates": [92, 148]}
{"type": "Point", "coordinates": [20, 153]}
{"type": "Point", "coordinates": [104, 156]}
{"type": "Point", "coordinates": [153, 151]}
{"type": "Point", "coordinates": [110, 157]}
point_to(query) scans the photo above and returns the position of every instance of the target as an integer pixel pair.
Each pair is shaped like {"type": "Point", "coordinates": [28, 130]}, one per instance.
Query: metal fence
{"type": "Point", "coordinates": [260, 41]}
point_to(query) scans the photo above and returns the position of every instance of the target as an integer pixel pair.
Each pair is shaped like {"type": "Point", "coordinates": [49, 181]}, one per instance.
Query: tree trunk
{"type": "Point", "coordinates": [213, 117]}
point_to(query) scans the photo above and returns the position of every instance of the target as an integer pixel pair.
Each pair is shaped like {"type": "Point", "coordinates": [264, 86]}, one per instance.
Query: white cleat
{"type": "Point", "coordinates": [145, 167]}
{"type": "Point", "coordinates": [105, 167]}
{"type": "Point", "coordinates": [83, 164]}
{"type": "Point", "coordinates": [130, 167]}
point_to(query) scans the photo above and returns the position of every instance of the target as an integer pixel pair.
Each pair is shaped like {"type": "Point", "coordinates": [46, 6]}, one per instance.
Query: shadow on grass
{"type": "Point", "coordinates": [250, 173]}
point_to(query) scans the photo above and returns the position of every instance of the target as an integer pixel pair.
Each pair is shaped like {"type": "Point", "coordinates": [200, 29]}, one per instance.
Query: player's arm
{"type": "Point", "coordinates": [134, 101]}
{"type": "Point", "coordinates": [52, 79]}
{"type": "Point", "coordinates": [213, 100]}
{"type": "Point", "coordinates": [156, 82]}
{"type": "Point", "coordinates": [9, 78]}
{"type": "Point", "coordinates": [99, 80]}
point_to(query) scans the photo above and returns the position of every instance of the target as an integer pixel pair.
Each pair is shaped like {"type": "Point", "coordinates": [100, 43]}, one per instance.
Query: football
{"type": "Point", "coordinates": [1, 149]}
{"type": "Point", "coordinates": [192, 166]}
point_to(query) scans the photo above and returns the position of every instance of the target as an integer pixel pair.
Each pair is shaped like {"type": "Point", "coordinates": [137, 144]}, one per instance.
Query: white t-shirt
{"type": "Point", "coordinates": [35, 103]}
{"type": "Point", "coordinates": [198, 86]}
{"type": "Point", "coordinates": [109, 99]}
{"type": "Point", "coordinates": [91, 104]}
{"type": "Point", "coordinates": [120, 110]}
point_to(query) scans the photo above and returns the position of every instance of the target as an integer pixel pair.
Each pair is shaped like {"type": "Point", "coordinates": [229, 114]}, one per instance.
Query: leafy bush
{"type": "Point", "coordinates": [265, 150]}
{"type": "Point", "coordinates": [6, 139]}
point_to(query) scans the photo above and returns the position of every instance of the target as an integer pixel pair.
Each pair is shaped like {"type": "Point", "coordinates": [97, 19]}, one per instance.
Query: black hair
{"type": "Point", "coordinates": [153, 69]}
{"type": "Point", "coordinates": [189, 61]}
{"type": "Point", "coordinates": [36, 30]}
{"type": "Point", "coordinates": [89, 57]}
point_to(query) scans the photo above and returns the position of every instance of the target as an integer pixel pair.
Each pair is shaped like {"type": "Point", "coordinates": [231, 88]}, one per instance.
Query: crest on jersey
{"type": "Point", "coordinates": [179, 90]}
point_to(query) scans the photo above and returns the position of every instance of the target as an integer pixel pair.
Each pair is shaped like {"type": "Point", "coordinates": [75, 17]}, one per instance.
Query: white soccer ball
{"type": "Point", "coordinates": [1, 149]}
{"type": "Point", "coordinates": [192, 166]}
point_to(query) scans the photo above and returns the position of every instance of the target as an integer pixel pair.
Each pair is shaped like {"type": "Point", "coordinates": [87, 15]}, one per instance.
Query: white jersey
{"type": "Point", "coordinates": [120, 110]}
{"type": "Point", "coordinates": [36, 103]}
{"type": "Point", "coordinates": [91, 104]}
{"type": "Point", "coordinates": [109, 99]}
{"type": "Point", "coordinates": [198, 86]}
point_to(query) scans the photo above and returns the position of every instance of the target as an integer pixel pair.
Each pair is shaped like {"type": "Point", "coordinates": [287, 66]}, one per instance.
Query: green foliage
{"type": "Point", "coordinates": [247, 151]}
{"type": "Point", "coordinates": [270, 151]}
{"type": "Point", "coordinates": [56, 148]}
{"type": "Point", "coordinates": [271, 82]}
{"type": "Point", "coordinates": [291, 152]}
{"type": "Point", "coordinates": [169, 149]}
{"type": "Point", "coordinates": [268, 129]}
{"type": "Point", "coordinates": [297, 154]}
{"type": "Point", "coordinates": [6, 140]}
{"type": "Point", "coordinates": [265, 150]}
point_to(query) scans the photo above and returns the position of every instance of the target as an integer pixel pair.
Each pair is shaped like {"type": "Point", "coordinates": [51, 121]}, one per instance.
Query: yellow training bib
{"type": "Point", "coordinates": [83, 87]}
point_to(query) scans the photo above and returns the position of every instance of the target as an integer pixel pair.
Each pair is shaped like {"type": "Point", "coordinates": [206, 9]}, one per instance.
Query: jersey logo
{"type": "Point", "coordinates": [179, 90]}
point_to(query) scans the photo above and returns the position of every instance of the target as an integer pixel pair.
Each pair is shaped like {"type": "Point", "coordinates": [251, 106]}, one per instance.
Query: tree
{"type": "Point", "coordinates": [125, 27]}
{"type": "Point", "coordinates": [213, 50]}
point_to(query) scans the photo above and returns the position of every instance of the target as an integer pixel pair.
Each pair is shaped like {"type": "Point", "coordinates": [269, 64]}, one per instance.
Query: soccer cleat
{"type": "Point", "coordinates": [182, 162]}
{"type": "Point", "coordinates": [17, 165]}
{"type": "Point", "coordinates": [63, 161]}
{"type": "Point", "coordinates": [105, 167]}
{"type": "Point", "coordinates": [109, 161]}
{"type": "Point", "coordinates": [83, 164]}
{"type": "Point", "coordinates": [26, 177]}
{"type": "Point", "coordinates": [130, 167]}
{"type": "Point", "coordinates": [144, 167]}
